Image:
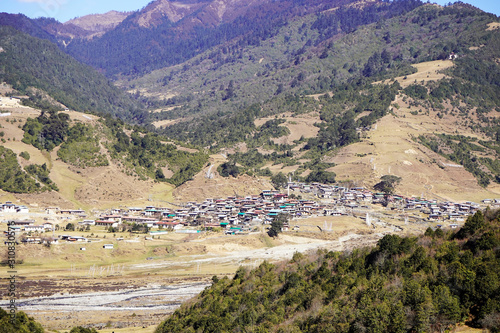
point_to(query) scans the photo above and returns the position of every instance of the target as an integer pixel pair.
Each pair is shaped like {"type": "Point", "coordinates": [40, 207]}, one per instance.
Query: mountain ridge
{"type": "Point", "coordinates": [338, 81]}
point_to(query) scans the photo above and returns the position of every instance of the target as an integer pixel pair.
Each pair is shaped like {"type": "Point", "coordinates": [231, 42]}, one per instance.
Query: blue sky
{"type": "Point", "coordinates": [64, 10]}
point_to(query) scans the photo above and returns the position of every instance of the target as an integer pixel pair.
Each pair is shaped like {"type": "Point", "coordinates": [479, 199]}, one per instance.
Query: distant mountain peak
{"type": "Point", "coordinates": [204, 12]}
{"type": "Point", "coordinates": [98, 23]}
{"type": "Point", "coordinates": [154, 13]}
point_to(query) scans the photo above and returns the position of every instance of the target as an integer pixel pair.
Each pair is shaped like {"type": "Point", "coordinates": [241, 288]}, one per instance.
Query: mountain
{"type": "Point", "coordinates": [88, 26]}
{"type": "Point", "coordinates": [72, 159]}
{"type": "Point", "coordinates": [349, 91]}
{"type": "Point", "coordinates": [23, 23]}
{"type": "Point", "coordinates": [98, 24]}
{"type": "Point", "coordinates": [38, 68]}
{"type": "Point", "coordinates": [168, 33]}
{"type": "Point", "coordinates": [341, 85]}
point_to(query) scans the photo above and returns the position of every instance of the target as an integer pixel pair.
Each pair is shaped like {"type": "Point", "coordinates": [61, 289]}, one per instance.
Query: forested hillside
{"type": "Point", "coordinates": [140, 152]}
{"type": "Point", "coordinates": [308, 57]}
{"type": "Point", "coordinates": [164, 41]}
{"type": "Point", "coordinates": [16, 180]}
{"type": "Point", "coordinates": [418, 284]}
{"type": "Point", "coordinates": [27, 62]}
{"type": "Point", "coordinates": [243, 80]}
{"type": "Point", "coordinates": [311, 58]}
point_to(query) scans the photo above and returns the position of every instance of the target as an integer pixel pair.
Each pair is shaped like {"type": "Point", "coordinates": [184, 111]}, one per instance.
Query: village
{"type": "Point", "coordinates": [239, 216]}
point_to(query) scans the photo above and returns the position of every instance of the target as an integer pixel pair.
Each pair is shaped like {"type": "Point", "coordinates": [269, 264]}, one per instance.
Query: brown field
{"type": "Point", "coordinates": [493, 26]}
{"type": "Point", "coordinates": [79, 188]}
{"type": "Point", "coordinates": [164, 123]}
{"type": "Point", "coordinates": [201, 187]}
{"type": "Point", "coordinates": [427, 71]}
{"type": "Point", "coordinates": [302, 125]}
{"type": "Point", "coordinates": [275, 168]}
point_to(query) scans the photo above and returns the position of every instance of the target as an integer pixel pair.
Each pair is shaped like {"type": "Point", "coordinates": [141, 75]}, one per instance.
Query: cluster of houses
{"type": "Point", "coordinates": [9, 207]}
{"type": "Point", "coordinates": [237, 214]}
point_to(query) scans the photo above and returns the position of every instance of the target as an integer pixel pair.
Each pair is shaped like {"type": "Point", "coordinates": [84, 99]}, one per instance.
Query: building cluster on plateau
{"type": "Point", "coordinates": [237, 214]}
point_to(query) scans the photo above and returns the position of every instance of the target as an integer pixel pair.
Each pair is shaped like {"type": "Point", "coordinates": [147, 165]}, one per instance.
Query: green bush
{"type": "Point", "coordinates": [12, 177]}
{"type": "Point", "coordinates": [25, 155]}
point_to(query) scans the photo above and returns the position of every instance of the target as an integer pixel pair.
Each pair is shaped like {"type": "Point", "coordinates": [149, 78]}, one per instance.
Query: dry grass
{"type": "Point", "coordinates": [493, 26]}
{"type": "Point", "coordinates": [317, 96]}
{"type": "Point", "coordinates": [275, 168]}
{"type": "Point", "coordinates": [149, 329]}
{"type": "Point", "coordinates": [389, 149]}
{"type": "Point", "coordinates": [165, 123]}
{"type": "Point", "coordinates": [427, 71]}
{"type": "Point", "coordinates": [201, 187]}
{"type": "Point", "coordinates": [300, 126]}
{"type": "Point", "coordinates": [467, 329]}
{"type": "Point", "coordinates": [102, 187]}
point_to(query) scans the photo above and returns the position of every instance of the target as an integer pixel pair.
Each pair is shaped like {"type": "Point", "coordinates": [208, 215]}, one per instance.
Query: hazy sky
{"type": "Point", "coordinates": [64, 10]}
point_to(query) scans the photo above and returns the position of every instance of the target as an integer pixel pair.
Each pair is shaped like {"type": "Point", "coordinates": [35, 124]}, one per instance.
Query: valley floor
{"type": "Point", "coordinates": [145, 280]}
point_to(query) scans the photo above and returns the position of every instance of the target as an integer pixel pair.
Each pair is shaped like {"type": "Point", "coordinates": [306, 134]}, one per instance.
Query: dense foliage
{"type": "Point", "coordinates": [41, 173]}
{"type": "Point", "coordinates": [46, 132]}
{"type": "Point", "coordinates": [387, 183]}
{"type": "Point", "coordinates": [22, 323]}
{"type": "Point", "coordinates": [145, 153]}
{"type": "Point", "coordinates": [81, 148]}
{"type": "Point", "coordinates": [80, 329]}
{"type": "Point", "coordinates": [14, 179]}
{"type": "Point", "coordinates": [464, 151]}
{"type": "Point", "coordinates": [299, 60]}
{"type": "Point", "coordinates": [31, 62]}
{"type": "Point", "coordinates": [404, 284]}
{"type": "Point", "coordinates": [176, 42]}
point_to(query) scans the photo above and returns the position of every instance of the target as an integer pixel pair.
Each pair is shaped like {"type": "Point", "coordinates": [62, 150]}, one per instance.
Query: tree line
{"type": "Point", "coordinates": [404, 284]}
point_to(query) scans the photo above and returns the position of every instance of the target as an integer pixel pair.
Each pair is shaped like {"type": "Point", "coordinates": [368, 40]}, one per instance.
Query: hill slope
{"type": "Point", "coordinates": [70, 159]}
{"type": "Point", "coordinates": [168, 33]}
{"type": "Point", "coordinates": [425, 284]}
{"type": "Point", "coordinates": [36, 67]}
{"type": "Point", "coordinates": [327, 84]}
{"type": "Point", "coordinates": [327, 95]}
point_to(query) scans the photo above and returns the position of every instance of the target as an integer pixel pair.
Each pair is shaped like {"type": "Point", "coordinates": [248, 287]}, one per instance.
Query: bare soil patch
{"type": "Point", "coordinates": [209, 184]}
{"type": "Point", "coordinates": [299, 126]}
{"type": "Point", "coordinates": [280, 168]}
{"type": "Point", "coordinates": [165, 123]}
{"type": "Point", "coordinates": [427, 71]}
{"type": "Point", "coordinates": [493, 26]}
